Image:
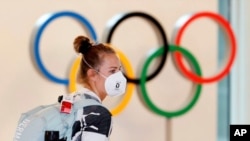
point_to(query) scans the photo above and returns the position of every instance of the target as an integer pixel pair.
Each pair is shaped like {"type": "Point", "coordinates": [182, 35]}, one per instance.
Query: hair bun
{"type": "Point", "coordinates": [82, 44]}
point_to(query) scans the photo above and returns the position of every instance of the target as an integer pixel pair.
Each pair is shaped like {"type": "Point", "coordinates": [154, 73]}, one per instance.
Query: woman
{"type": "Point", "coordinates": [100, 75]}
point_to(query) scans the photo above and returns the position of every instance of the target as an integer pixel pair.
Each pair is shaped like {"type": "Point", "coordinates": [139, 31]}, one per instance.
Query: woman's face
{"type": "Point", "coordinates": [110, 65]}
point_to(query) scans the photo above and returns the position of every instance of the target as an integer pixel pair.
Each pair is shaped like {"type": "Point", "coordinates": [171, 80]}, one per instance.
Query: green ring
{"type": "Point", "coordinates": [142, 87]}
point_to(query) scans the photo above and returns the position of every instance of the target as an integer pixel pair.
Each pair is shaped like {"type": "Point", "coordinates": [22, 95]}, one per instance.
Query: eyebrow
{"type": "Point", "coordinates": [115, 67]}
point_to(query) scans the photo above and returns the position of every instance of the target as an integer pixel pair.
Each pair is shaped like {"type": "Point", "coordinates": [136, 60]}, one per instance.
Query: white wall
{"type": "Point", "coordinates": [23, 87]}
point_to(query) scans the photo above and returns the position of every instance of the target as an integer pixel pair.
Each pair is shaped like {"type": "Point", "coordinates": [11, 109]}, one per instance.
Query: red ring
{"type": "Point", "coordinates": [226, 26]}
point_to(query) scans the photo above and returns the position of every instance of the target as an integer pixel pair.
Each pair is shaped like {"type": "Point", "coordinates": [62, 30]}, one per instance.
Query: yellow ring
{"type": "Point", "coordinates": [72, 75]}
{"type": "Point", "coordinates": [130, 86]}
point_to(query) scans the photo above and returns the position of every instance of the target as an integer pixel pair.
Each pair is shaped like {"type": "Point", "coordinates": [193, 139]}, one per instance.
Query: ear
{"type": "Point", "coordinates": [91, 74]}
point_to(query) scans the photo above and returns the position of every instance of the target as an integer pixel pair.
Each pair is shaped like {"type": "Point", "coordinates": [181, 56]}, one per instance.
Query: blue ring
{"type": "Point", "coordinates": [41, 25]}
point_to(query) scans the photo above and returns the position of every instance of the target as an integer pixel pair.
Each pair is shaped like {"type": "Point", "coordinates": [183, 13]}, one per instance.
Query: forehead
{"type": "Point", "coordinates": [110, 61]}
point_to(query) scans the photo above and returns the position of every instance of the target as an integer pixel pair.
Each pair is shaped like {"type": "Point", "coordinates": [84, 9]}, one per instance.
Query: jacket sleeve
{"type": "Point", "coordinates": [93, 123]}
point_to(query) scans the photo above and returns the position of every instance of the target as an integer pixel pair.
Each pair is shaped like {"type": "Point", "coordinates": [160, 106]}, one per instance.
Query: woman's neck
{"type": "Point", "coordinates": [94, 90]}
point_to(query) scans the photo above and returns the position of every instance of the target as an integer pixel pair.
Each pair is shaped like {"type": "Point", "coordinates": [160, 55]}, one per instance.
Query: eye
{"type": "Point", "coordinates": [115, 69]}
{"type": "Point", "coordinates": [112, 71]}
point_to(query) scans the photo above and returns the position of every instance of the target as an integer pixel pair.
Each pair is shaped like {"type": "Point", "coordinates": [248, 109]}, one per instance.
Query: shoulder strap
{"type": "Point", "coordinates": [85, 100]}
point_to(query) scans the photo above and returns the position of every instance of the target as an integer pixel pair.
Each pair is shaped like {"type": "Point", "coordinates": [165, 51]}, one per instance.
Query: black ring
{"type": "Point", "coordinates": [113, 24]}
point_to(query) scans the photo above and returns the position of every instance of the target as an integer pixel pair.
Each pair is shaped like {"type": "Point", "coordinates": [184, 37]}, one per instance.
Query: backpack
{"type": "Point", "coordinates": [33, 124]}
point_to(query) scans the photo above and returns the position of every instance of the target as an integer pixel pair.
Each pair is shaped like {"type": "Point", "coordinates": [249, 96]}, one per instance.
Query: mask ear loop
{"type": "Point", "coordinates": [83, 58]}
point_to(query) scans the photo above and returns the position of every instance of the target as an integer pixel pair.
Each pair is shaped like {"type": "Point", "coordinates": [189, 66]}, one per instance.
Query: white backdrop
{"type": "Point", "coordinates": [23, 87]}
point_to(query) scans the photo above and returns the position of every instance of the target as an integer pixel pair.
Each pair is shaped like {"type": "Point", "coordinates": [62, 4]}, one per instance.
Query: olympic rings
{"type": "Point", "coordinates": [113, 24]}
{"type": "Point", "coordinates": [182, 23]}
{"type": "Point", "coordinates": [41, 25]}
{"type": "Point", "coordinates": [128, 69]}
{"type": "Point", "coordinates": [142, 86]}
{"type": "Point", "coordinates": [143, 78]}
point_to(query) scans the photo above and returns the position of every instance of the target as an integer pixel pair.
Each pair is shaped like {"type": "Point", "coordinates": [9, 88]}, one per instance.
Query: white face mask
{"type": "Point", "coordinates": [115, 84]}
